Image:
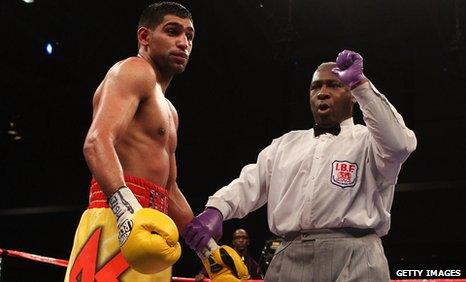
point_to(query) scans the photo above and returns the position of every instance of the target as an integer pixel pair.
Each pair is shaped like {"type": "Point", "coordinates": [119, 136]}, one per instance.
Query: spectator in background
{"type": "Point", "coordinates": [240, 243]}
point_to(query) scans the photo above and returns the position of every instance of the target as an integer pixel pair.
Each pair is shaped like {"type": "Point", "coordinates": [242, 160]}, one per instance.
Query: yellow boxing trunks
{"type": "Point", "coordinates": [96, 254]}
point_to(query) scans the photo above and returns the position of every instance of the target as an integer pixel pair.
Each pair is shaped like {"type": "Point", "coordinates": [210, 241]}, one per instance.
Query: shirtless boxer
{"type": "Point", "coordinates": [130, 151]}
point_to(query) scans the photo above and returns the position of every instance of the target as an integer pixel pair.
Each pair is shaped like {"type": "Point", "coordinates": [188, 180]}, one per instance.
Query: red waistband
{"type": "Point", "coordinates": [149, 194]}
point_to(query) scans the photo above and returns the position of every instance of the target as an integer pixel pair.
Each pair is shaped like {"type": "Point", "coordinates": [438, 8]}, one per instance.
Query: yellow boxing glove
{"type": "Point", "coordinates": [225, 265]}
{"type": "Point", "coordinates": [152, 245]}
{"type": "Point", "coordinates": [148, 238]}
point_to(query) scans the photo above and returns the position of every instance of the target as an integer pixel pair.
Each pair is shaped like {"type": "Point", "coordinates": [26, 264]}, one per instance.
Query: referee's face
{"type": "Point", "coordinates": [331, 101]}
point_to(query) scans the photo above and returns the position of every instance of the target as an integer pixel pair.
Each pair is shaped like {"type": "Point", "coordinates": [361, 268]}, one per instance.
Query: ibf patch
{"type": "Point", "coordinates": [344, 174]}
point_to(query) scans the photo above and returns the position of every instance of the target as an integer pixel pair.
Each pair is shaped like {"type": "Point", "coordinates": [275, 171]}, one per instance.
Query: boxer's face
{"type": "Point", "coordinates": [171, 42]}
{"type": "Point", "coordinates": [331, 101]}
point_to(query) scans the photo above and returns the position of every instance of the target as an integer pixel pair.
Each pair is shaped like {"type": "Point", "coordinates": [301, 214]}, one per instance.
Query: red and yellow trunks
{"type": "Point", "coordinates": [96, 255]}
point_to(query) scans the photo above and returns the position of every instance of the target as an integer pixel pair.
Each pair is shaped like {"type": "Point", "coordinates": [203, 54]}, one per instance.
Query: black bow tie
{"type": "Point", "coordinates": [335, 130]}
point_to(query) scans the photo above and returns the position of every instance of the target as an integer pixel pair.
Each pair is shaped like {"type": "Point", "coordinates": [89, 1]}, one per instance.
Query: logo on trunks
{"type": "Point", "coordinates": [86, 268]}
{"type": "Point", "coordinates": [344, 173]}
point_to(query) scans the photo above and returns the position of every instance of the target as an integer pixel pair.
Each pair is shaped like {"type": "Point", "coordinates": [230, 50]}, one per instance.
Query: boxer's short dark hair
{"type": "Point", "coordinates": [153, 15]}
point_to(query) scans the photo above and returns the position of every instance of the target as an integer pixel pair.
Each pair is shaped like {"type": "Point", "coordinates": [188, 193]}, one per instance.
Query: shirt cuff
{"type": "Point", "coordinates": [219, 204]}
{"type": "Point", "coordinates": [365, 93]}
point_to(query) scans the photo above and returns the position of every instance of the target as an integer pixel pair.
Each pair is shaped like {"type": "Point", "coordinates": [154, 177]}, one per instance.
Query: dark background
{"type": "Point", "coordinates": [246, 84]}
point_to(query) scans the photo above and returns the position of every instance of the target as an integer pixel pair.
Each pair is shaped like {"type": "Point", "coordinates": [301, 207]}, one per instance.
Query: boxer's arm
{"type": "Point", "coordinates": [178, 207]}
{"type": "Point", "coordinates": [123, 88]}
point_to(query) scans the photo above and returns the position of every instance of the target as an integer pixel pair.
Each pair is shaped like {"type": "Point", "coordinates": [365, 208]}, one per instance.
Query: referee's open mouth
{"type": "Point", "coordinates": [323, 107]}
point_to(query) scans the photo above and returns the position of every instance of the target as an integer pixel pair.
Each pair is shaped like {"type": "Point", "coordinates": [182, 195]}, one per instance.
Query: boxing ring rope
{"type": "Point", "coordinates": [64, 263]}
{"type": "Point", "coordinates": [18, 254]}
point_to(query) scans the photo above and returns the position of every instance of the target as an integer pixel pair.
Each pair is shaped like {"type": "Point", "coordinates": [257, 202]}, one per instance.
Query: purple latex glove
{"type": "Point", "coordinates": [349, 68]}
{"type": "Point", "coordinates": [208, 224]}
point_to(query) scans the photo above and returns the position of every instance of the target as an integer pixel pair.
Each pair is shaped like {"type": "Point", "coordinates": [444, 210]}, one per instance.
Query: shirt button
{"type": "Point", "coordinates": [313, 177]}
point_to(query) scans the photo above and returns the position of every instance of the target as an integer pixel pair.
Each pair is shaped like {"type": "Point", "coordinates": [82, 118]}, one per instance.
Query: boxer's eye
{"type": "Point", "coordinates": [172, 31]}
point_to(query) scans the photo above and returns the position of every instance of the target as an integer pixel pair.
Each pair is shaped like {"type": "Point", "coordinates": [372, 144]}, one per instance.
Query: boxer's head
{"type": "Point", "coordinates": [165, 34]}
{"type": "Point", "coordinates": [331, 101]}
{"type": "Point", "coordinates": [153, 15]}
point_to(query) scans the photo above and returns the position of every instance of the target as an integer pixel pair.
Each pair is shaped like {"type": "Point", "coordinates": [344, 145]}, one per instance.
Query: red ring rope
{"type": "Point", "coordinates": [64, 263]}
{"type": "Point", "coordinates": [13, 253]}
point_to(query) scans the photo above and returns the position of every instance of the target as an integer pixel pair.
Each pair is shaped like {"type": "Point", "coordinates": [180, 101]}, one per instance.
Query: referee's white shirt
{"type": "Point", "coordinates": [327, 181]}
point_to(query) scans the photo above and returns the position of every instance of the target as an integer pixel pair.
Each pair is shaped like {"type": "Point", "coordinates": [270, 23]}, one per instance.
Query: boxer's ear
{"type": "Point", "coordinates": [143, 35]}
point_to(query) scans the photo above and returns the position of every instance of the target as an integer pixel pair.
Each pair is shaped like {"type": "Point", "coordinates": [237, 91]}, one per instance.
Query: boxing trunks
{"type": "Point", "coordinates": [96, 254]}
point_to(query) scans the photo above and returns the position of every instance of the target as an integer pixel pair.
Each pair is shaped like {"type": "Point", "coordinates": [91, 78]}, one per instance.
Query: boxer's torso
{"type": "Point", "coordinates": [145, 148]}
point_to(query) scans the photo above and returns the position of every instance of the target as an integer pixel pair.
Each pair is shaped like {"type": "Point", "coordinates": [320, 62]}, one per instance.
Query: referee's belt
{"type": "Point", "coordinates": [345, 232]}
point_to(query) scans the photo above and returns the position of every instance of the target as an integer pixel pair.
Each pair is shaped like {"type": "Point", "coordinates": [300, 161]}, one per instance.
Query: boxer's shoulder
{"type": "Point", "coordinates": [133, 73]}
{"type": "Point", "coordinates": [135, 67]}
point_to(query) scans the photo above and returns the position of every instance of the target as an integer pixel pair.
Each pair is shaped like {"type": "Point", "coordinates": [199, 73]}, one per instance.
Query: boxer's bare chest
{"type": "Point", "coordinates": [156, 118]}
